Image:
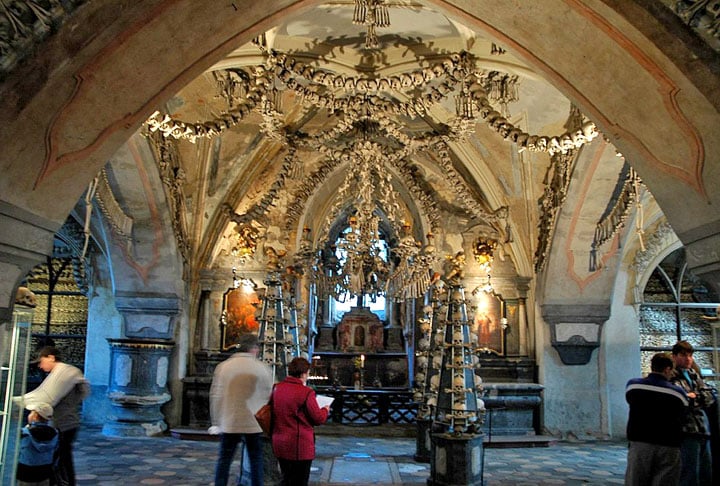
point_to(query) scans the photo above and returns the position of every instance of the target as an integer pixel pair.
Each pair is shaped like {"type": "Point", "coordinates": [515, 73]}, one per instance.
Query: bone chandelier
{"type": "Point", "coordinates": [367, 110]}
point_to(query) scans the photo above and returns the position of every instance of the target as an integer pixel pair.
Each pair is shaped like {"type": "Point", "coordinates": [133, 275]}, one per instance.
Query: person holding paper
{"type": "Point", "coordinates": [295, 413]}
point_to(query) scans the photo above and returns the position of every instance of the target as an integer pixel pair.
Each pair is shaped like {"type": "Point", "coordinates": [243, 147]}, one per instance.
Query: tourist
{"type": "Point", "coordinates": [64, 389]}
{"type": "Point", "coordinates": [695, 448]}
{"type": "Point", "coordinates": [654, 428]}
{"type": "Point", "coordinates": [241, 385]}
{"type": "Point", "coordinates": [295, 413]}
{"type": "Point", "coordinates": [38, 446]}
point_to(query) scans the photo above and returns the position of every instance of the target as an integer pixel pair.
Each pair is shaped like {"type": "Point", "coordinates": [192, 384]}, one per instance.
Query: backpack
{"type": "Point", "coordinates": [38, 444]}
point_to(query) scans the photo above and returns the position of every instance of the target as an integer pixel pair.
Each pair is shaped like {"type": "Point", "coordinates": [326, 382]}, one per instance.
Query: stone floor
{"type": "Point", "coordinates": [101, 460]}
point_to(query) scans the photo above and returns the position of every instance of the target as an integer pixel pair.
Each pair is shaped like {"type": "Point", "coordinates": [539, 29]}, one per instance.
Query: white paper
{"type": "Point", "coordinates": [324, 400]}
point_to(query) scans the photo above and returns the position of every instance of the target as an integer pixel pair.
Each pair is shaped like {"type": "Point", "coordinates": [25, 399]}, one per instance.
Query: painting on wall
{"type": "Point", "coordinates": [489, 322]}
{"type": "Point", "coordinates": [239, 310]}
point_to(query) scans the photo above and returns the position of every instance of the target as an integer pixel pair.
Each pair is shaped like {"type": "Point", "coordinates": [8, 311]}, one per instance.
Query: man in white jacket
{"type": "Point", "coordinates": [241, 385]}
{"type": "Point", "coordinates": [64, 389]}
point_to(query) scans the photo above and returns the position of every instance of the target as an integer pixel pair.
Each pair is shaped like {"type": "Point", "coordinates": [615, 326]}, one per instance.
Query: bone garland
{"type": "Point", "coordinates": [420, 78]}
{"type": "Point", "coordinates": [411, 180]}
{"type": "Point", "coordinates": [455, 68]}
{"type": "Point", "coordinates": [459, 186]}
{"type": "Point", "coordinates": [180, 130]}
{"type": "Point", "coordinates": [615, 218]}
{"type": "Point", "coordinates": [303, 193]}
{"type": "Point", "coordinates": [258, 210]}
{"type": "Point", "coordinates": [557, 181]}
{"type": "Point", "coordinates": [557, 144]}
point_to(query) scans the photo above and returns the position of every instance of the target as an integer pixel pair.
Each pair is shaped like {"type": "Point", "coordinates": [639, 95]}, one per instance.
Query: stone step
{"type": "Point", "coordinates": [495, 441]}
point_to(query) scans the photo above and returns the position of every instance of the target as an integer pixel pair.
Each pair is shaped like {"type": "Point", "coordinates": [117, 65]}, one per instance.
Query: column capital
{"type": "Point", "coordinates": [575, 329]}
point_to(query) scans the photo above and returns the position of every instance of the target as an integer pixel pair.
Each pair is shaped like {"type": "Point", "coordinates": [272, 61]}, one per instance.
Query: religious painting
{"type": "Point", "coordinates": [239, 308]}
{"type": "Point", "coordinates": [488, 322]}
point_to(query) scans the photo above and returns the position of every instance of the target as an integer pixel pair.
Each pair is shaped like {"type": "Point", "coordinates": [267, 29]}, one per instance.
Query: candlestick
{"type": "Point", "coordinates": [362, 361]}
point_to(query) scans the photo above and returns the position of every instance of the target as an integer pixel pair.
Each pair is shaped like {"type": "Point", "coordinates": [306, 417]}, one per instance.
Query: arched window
{"type": "Point", "coordinates": [677, 305]}
{"type": "Point", "coordinates": [377, 305]}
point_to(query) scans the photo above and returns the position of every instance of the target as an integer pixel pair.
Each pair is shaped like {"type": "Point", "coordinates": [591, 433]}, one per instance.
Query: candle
{"type": "Point", "coordinates": [362, 361]}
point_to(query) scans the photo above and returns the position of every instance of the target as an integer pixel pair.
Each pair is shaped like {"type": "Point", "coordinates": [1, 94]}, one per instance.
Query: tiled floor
{"type": "Point", "coordinates": [108, 461]}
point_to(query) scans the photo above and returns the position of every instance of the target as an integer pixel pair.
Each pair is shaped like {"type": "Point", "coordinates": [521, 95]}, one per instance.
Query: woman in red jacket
{"type": "Point", "coordinates": [295, 412]}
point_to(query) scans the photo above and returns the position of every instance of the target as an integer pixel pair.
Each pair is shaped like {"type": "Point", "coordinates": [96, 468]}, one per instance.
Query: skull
{"type": "Point", "coordinates": [457, 337]}
{"type": "Point", "coordinates": [424, 344]}
{"type": "Point", "coordinates": [25, 297]}
{"type": "Point", "coordinates": [437, 361]}
{"type": "Point", "coordinates": [420, 377]}
{"type": "Point", "coordinates": [459, 383]}
{"type": "Point", "coordinates": [435, 382]}
{"type": "Point", "coordinates": [422, 362]}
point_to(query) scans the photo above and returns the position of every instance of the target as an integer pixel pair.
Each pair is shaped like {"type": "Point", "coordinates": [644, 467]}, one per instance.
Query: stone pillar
{"type": "Point", "coordinates": [138, 386]}
{"type": "Point", "coordinates": [523, 327]}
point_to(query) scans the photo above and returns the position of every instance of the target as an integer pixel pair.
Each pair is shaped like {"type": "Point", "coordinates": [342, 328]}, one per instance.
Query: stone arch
{"type": "Point", "coordinates": [62, 125]}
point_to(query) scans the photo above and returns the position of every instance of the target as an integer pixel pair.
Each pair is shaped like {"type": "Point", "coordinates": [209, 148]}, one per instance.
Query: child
{"type": "Point", "coordinates": [38, 445]}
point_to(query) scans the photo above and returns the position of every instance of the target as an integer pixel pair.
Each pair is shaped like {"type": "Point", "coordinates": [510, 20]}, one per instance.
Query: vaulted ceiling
{"type": "Point", "coordinates": [274, 135]}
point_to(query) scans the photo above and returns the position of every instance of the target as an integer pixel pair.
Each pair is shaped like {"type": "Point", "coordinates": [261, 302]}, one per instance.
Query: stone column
{"type": "Point", "coordinates": [138, 386]}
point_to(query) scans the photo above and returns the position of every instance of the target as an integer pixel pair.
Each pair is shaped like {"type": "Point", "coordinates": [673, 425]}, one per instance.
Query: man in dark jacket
{"type": "Point", "coordinates": [695, 447]}
{"type": "Point", "coordinates": [654, 430]}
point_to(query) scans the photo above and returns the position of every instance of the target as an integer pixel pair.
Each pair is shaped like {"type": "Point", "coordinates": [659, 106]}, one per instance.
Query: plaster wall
{"type": "Point", "coordinates": [104, 321]}
{"type": "Point", "coordinates": [572, 396]}
{"type": "Point", "coordinates": [620, 358]}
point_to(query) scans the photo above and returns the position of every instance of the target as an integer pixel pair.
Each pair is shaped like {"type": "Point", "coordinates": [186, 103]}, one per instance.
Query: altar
{"type": "Point", "coordinates": [361, 343]}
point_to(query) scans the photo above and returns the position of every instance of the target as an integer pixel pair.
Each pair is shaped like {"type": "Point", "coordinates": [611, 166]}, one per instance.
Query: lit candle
{"type": "Point", "coordinates": [362, 361]}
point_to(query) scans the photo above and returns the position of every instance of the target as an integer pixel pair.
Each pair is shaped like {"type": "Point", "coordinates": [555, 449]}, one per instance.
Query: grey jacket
{"type": "Point", "coordinates": [64, 388]}
{"type": "Point", "coordinates": [241, 385]}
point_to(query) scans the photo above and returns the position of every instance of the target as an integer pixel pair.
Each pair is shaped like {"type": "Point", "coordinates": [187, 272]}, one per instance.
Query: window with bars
{"type": "Point", "coordinates": [678, 305]}
{"type": "Point", "coordinates": [61, 314]}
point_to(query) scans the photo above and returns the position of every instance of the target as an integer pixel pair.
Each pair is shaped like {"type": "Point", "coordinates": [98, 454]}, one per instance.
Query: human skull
{"type": "Point", "coordinates": [459, 405]}
{"type": "Point", "coordinates": [459, 382]}
{"type": "Point", "coordinates": [457, 337]}
{"type": "Point", "coordinates": [26, 297]}
{"type": "Point", "coordinates": [435, 382]}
